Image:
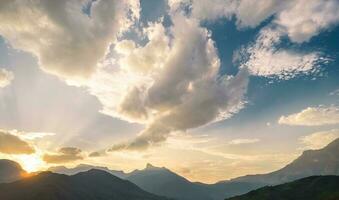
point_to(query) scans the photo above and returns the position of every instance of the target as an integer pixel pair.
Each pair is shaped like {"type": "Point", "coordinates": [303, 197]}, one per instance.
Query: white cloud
{"type": "Point", "coordinates": [319, 140]}
{"type": "Point", "coordinates": [170, 84]}
{"type": "Point", "coordinates": [265, 58]}
{"type": "Point", "coordinates": [248, 13]}
{"type": "Point", "coordinates": [30, 135]}
{"type": "Point", "coordinates": [313, 116]}
{"type": "Point", "coordinates": [300, 19]}
{"type": "Point", "coordinates": [5, 78]}
{"type": "Point", "coordinates": [213, 9]}
{"type": "Point", "coordinates": [67, 42]}
{"type": "Point", "coordinates": [251, 13]}
{"type": "Point", "coordinates": [303, 19]}
{"type": "Point", "coordinates": [335, 93]}
{"type": "Point", "coordinates": [244, 141]}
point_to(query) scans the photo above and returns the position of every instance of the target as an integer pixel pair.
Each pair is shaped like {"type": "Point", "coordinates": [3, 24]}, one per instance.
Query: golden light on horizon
{"type": "Point", "coordinates": [31, 163]}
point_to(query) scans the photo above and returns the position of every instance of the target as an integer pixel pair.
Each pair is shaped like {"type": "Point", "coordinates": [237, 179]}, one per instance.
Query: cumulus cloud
{"type": "Point", "coordinates": [11, 144]}
{"type": "Point", "coordinates": [310, 17]}
{"type": "Point", "coordinates": [244, 141]}
{"type": "Point", "coordinates": [319, 140]}
{"type": "Point", "coordinates": [300, 19]}
{"type": "Point", "coordinates": [64, 155]}
{"type": "Point", "coordinates": [5, 77]}
{"type": "Point", "coordinates": [312, 116]}
{"type": "Point", "coordinates": [67, 41]}
{"type": "Point", "coordinates": [247, 13]}
{"type": "Point", "coordinates": [252, 13]}
{"type": "Point", "coordinates": [171, 83]}
{"type": "Point", "coordinates": [265, 58]}
{"type": "Point", "coordinates": [303, 19]}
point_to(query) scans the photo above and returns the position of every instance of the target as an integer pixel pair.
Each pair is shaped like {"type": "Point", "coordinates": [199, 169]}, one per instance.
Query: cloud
{"type": "Point", "coordinates": [244, 141]}
{"type": "Point", "coordinates": [310, 17]}
{"type": "Point", "coordinates": [64, 155]}
{"type": "Point", "coordinates": [6, 77]}
{"type": "Point", "coordinates": [247, 13]}
{"type": "Point", "coordinates": [11, 144]}
{"type": "Point", "coordinates": [265, 58]}
{"type": "Point", "coordinates": [335, 93]}
{"type": "Point", "coordinates": [67, 41]}
{"type": "Point", "coordinates": [30, 135]}
{"type": "Point", "coordinates": [312, 116]}
{"type": "Point", "coordinates": [319, 140]}
{"type": "Point", "coordinates": [252, 13]}
{"type": "Point", "coordinates": [95, 154]}
{"type": "Point", "coordinates": [170, 84]}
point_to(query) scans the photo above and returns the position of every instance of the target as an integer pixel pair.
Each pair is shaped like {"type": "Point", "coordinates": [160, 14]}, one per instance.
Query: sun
{"type": "Point", "coordinates": [31, 163]}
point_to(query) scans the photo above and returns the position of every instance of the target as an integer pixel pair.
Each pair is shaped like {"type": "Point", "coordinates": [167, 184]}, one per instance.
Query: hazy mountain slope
{"type": "Point", "coordinates": [312, 162]}
{"type": "Point", "coordinates": [83, 168]}
{"type": "Point", "coordinates": [164, 182]}
{"type": "Point", "coordinates": [90, 185]}
{"type": "Point", "coordinates": [310, 188]}
{"type": "Point", "coordinates": [10, 171]}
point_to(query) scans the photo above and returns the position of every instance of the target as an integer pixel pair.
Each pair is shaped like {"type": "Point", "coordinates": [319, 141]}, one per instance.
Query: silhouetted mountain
{"type": "Point", "coordinates": [91, 185]}
{"type": "Point", "coordinates": [164, 182]}
{"type": "Point", "coordinates": [310, 188]}
{"type": "Point", "coordinates": [83, 168]}
{"type": "Point", "coordinates": [10, 171]}
{"type": "Point", "coordinates": [312, 162]}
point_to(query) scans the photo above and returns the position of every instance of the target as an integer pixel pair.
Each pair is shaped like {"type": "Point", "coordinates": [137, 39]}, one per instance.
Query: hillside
{"type": "Point", "coordinates": [324, 161]}
{"type": "Point", "coordinates": [91, 185]}
{"type": "Point", "coordinates": [10, 171]}
{"type": "Point", "coordinates": [83, 168]}
{"type": "Point", "coordinates": [310, 188]}
{"type": "Point", "coordinates": [162, 181]}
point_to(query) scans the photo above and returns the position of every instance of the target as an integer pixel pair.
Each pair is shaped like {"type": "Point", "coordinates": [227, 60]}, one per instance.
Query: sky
{"type": "Point", "coordinates": [211, 89]}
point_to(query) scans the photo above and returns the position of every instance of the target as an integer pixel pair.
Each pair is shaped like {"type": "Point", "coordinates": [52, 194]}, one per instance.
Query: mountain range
{"type": "Point", "coordinates": [310, 188]}
{"type": "Point", "coordinates": [323, 161]}
{"type": "Point", "coordinates": [84, 168]}
{"type": "Point", "coordinates": [162, 181]}
{"type": "Point", "coordinates": [91, 185]}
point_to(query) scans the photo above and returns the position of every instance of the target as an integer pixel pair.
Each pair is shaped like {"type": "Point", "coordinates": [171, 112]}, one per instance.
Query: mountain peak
{"type": "Point", "coordinates": [10, 171]}
{"type": "Point", "coordinates": [96, 172]}
{"type": "Point", "coordinates": [333, 144]}
{"type": "Point", "coordinates": [149, 166]}
{"type": "Point", "coordinates": [92, 184]}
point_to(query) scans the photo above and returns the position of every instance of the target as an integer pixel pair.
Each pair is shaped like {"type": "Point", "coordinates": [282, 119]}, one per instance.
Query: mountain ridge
{"type": "Point", "coordinates": [10, 171]}
{"type": "Point", "coordinates": [310, 188]}
{"type": "Point", "coordinates": [90, 185]}
{"type": "Point", "coordinates": [162, 181]}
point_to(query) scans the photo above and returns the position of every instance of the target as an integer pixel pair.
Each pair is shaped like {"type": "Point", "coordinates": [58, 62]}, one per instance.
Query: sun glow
{"type": "Point", "coordinates": [31, 163]}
